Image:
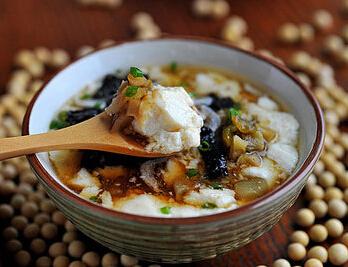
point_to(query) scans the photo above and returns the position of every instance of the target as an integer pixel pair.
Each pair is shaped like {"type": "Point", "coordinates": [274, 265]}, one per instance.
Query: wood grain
{"type": "Point", "coordinates": [91, 134]}
{"type": "Point", "coordinates": [64, 24]}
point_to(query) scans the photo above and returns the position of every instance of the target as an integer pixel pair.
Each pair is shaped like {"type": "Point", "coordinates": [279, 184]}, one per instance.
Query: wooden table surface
{"type": "Point", "coordinates": [65, 24]}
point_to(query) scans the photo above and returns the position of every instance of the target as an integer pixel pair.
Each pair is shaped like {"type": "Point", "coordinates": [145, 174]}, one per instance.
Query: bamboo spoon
{"type": "Point", "coordinates": [93, 134]}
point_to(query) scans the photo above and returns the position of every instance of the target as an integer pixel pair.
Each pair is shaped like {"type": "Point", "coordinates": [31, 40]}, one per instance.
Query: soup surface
{"type": "Point", "coordinates": [248, 146]}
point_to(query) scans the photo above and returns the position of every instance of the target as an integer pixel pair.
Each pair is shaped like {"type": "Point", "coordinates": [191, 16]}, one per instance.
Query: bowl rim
{"type": "Point", "coordinates": [271, 196]}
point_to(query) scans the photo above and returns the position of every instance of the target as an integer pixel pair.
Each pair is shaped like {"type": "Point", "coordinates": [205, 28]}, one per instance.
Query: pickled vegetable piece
{"type": "Point", "coordinates": [251, 189]}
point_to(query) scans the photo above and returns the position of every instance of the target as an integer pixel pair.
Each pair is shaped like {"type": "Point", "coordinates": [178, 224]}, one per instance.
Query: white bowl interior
{"type": "Point", "coordinates": [158, 52]}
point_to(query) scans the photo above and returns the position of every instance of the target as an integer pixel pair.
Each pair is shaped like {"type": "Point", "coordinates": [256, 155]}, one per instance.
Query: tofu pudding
{"type": "Point", "coordinates": [228, 143]}
{"type": "Point", "coordinates": [166, 116]}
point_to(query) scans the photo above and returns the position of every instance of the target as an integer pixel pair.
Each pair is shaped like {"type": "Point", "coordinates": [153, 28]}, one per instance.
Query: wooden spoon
{"type": "Point", "coordinates": [93, 134]}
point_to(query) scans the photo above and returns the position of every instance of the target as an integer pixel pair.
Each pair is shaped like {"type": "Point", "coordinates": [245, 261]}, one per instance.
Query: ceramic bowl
{"type": "Point", "coordinates": [177, 240]}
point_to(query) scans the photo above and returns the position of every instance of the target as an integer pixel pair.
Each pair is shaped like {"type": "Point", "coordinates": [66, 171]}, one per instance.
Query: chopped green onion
{"type": "Point", "coordinates": [97, 105]}
{"type": "Point", "coordinates": [232, 112]}
{"type": "Point", "coordinates": [58, 124]}
{"type": "Point", "coordinates": [85, 96]}
{"type": "Point", "coordinates": [217, 186]}
{"type": "Point", "coordinates": [63, 115]}
{"type": "Point", "coordinates": [131, 91]}
{"type": "Point", "coordinates": [93, 198]}
{"type": "Point", "coordinates": [209, 205]}
{"type": "Point", "coordinates": [54, 124]}
{"type": "Point", "coordinates": [205, 146]}
{"type": "Point", "coordinates": [192, 172]}
{"type": "Point", "coordinates": [192, 94]}
{"type": "Point", "coordinates": [173, 66]}
{"type": "Point", "coordinates": [165, 210]}
{"type": "Point", "coordinates": [136, 72]}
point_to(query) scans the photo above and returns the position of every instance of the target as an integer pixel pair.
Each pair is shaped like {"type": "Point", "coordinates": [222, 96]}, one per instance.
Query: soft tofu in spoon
{"type": "Point", "coordinates": [165, 116]}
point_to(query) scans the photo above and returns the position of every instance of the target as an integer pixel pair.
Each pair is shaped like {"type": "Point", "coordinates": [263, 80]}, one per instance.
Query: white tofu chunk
{"type": "Point", "coordinates": [165, 141]}
{"type": "Point", "coordinates": [172, 108]}
{"type": "Point", "coordinates": [106, 199]}
{"type": "Point", "coordinates": [285, 155]}
{"type": "Point", "coordinates": [206, 84]}
{"type": "Point", "coordinates": [169, 119]}
{"type": "Point", "coordinates": [268, 171]}
{"type": "Point", "coordinates": [84, 179]}
{"type": "Point", "coordinates": [267, 103]}
{"type": "Point", "coordinates": [140, 204]}
{"type": "Point", "coordinates": [90, 191]}
{"type": "Point", "coordinates": [149, 205]}
{"type": "Point", "coordinates": [221, 198]}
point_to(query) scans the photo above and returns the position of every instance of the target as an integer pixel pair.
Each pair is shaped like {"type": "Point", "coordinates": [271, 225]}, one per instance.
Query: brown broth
{"type": "Point", "coordinates": [122, 181]}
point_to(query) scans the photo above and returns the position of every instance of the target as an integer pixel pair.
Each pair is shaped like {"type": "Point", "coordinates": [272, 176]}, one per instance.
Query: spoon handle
{"type": "Point", "coordinates": [92, 134]}
{"type": "Point", "coordinates": [85, 135]}
{"type": "Point", "coordinates": [30, 144]}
